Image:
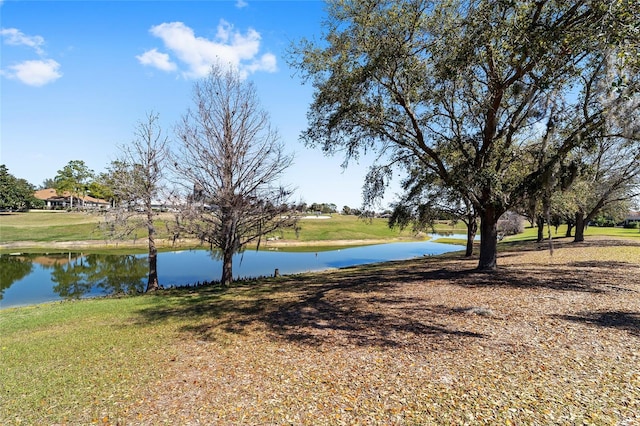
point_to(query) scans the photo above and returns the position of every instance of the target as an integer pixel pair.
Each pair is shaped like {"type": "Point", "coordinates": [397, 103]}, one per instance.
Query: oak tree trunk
{"type": "Point", "coordinates": [472, 229]}
{"type": "Point", "coordinates": [488, 239]}
{"type": "Point", "coordinates": [580, 224]}
{"type": "Point", "coordinates": [569, 229]}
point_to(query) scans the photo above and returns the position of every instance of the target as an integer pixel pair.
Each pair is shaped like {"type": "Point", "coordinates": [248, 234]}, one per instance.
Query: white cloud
{"type": "Point", "coordinates": [267, 62]}
{"type": "Point", "coordinates": [15, 37]}
{"type": "Point", "coordinates": [35, 73]}
{"type": "Point", "coordinates": [230, 47]}
{"type": "Point", "coordinates": [241, 3]}
{"type": "Point", "coordinates": [156, 59]}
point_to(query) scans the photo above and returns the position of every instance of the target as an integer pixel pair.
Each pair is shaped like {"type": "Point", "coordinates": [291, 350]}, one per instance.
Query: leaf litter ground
{"type": "Point", "coordinates": [545, 339]}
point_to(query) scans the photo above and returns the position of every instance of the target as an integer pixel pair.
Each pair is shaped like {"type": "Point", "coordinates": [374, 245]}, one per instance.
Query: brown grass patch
{"type": "Point", "coordinates": [543, 340]}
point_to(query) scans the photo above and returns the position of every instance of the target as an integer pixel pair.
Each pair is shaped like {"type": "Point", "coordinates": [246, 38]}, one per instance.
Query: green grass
{"type": "Point", "coordinates": [532, 233]}
{"type": "Point", "coordinates": [75, 360]}
{"type": "Point", "coordinates": [93, 361]}
{"type": "Point", "coordinates": [78, 361]}
{"type": "Point", "coordinates": [49, 226]}
{"type": "Point", "coordinates": [341, 227]}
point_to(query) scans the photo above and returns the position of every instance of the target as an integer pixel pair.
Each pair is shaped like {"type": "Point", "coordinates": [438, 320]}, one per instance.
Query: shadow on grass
{"type": "Point", "coordinates": [627, 321]}
{"type": "Point", "coordinates": [362, 306]}
{"type": "Point", "coordinates": [369, 305]}
{"type": "Point", "coordinates": [561, 242]}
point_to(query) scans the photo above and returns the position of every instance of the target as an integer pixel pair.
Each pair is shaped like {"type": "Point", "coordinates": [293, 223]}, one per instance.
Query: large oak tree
{"type": "Point", "coordinates": [468, 88]}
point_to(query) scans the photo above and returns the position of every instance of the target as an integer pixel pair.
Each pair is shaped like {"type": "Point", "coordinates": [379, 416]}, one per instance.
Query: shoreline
{"type": "Point", "coordinates": [162, 244]}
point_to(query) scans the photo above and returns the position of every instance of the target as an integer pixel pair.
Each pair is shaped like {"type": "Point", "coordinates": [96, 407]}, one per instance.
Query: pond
{"type": "Point", "coordinates": [27, 279]}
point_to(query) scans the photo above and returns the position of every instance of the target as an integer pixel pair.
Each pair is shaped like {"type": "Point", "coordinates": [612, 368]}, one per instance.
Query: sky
{"type": "Point", "coordinates": [76, 77]}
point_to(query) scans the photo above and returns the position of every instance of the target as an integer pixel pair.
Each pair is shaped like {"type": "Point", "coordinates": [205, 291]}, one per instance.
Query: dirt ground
{"type": "Point", "coordinates": [545, 339]}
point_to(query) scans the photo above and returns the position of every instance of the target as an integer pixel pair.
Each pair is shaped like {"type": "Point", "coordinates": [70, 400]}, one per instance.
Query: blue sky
{"type": "Point", "coordinates": [76, 77]}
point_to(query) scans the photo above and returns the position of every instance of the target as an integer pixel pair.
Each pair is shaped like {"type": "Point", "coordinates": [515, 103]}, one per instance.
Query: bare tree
{"type": "Point", "coordinates": [231, 159]}
{"type": "Point", "coordinates": [137, 179]}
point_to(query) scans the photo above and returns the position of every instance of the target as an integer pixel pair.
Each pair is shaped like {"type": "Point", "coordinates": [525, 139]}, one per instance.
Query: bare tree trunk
{"type": "Point", "coordinates": [488, 239]}
{"type": "Point", "coordinates": [580, 224]}
{"type": "Point", "coordinates": [227, 268]}
{"type": "Point", "coordinates": [472, 229]}
{"type": "Point", "coordinates": [152, 282]}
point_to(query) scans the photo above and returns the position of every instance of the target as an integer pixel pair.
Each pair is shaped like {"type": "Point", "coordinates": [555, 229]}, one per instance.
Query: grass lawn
{"type": "Point", "coordinates": [48, 229]}
{"type": "Point", "coordinates": [56, 226]}
{"type": "Point", "coordinates": [47, 226]}
{"type": "Point", "coordinates": [543, 340]}
{"type": "Point", "coordinates": [54, 230]}
{"type": "Point", "coordinates": [531, 234]}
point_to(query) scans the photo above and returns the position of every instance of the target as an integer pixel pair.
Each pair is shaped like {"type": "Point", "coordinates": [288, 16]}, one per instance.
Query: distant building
{"type": "Point", "coordinates": [632, 217]}
{"type": "Point", "coordinates": [66, 200]}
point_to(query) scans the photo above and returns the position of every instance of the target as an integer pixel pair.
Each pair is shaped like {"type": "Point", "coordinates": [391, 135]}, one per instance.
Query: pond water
{"type": "Point", "coordinates": [27, 279]}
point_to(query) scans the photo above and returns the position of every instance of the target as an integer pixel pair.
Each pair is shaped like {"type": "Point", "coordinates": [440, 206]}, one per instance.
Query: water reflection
{"type": "Point", "coordinates": [13, 269]}
{"type": "Point", "coordinates": [69, 276]}
{"type": "Point", "coordinates": [31, 279]}
{"type": "Point", "coordinates": [109, 273]}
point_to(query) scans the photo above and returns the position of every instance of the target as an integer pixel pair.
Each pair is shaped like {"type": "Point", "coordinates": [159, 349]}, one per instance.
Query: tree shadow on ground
{"type": "Point", "coordinates": [362, 306]}
{"type": "Point", "coordinates": [621, 320]}
{"type": "Point", "coordinates": [592, 276]}
{"type": "Point", "coordinates": [368, 305]}
{"type": "Point", "coordinates": [513, 248]}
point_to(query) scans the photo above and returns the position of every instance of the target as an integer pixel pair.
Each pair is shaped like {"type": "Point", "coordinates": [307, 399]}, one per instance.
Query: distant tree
{"type": "Point", "coordinates": [346, 210]}
{"type": "Point", "coordinates": [563, 208]}
{"type": "Point", "coordinates": [549, 197]}
{"type": "Point", "coordinates": [511, 223]}
{"type": "Point", "coordinates": [231, 154]}
{"type": "Point", "coordinates": [610, 179]}
{"type": "Point", "coordinates": [16, 194]}
{"type": "Point", "coordinates": [74, 178]}
{"type": "Point", "coordinates": [315, 208]}
{"type": "Point", "coordinates": [136, 180]}
{"type": "Point", "coordinates": [121, 220]}
{"type": "Point", "coordinates": [426, 200]}
{"type": "Point", "coordinates": [110, 184]}
{"type": "Point", "coordinates": [462, 87]}
{"type": "Point", "coordinates": [99, 188]}
{"type": "Point", "coordinates": [48, 183]}
{"type": "Point", "coordinates": [324, 208]}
